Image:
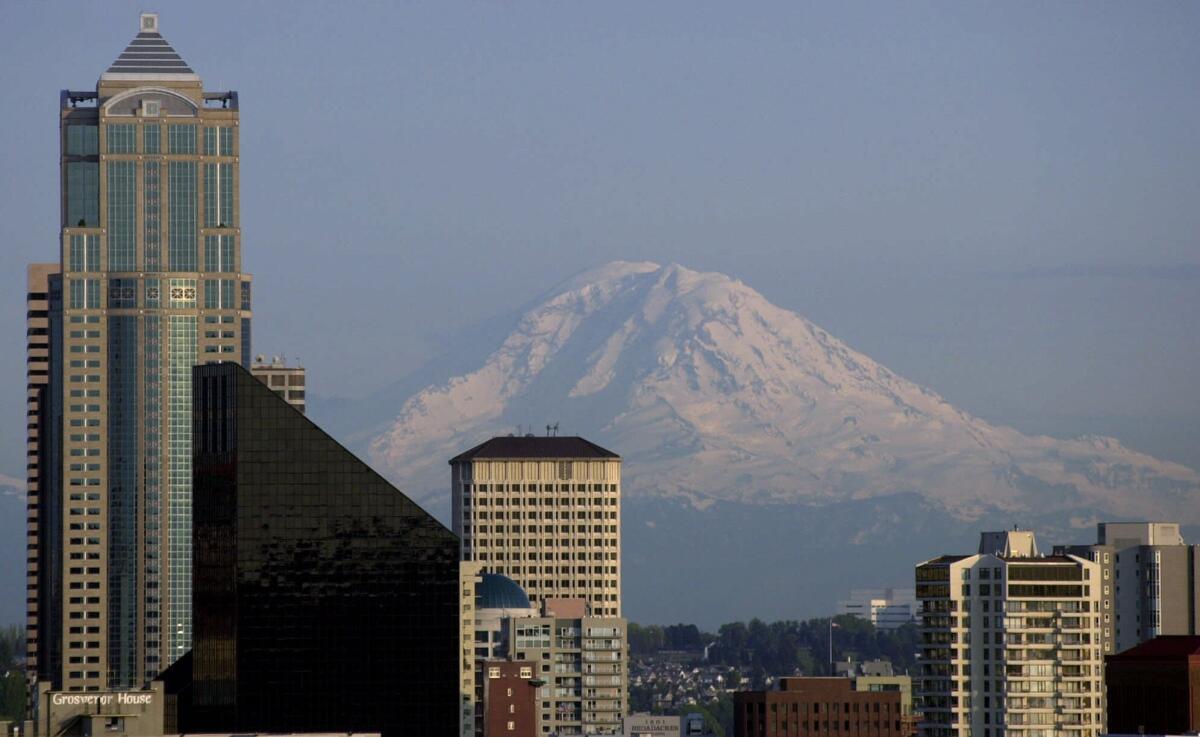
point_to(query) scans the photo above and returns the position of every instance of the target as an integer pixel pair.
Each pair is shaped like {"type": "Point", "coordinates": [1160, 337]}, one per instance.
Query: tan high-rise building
{"type": "Point", "coordinates": [1010, 642]}
{"type": "Point", "coordinates": [152, 284]}
{"type": "Point", "coordinates": [546, 512]}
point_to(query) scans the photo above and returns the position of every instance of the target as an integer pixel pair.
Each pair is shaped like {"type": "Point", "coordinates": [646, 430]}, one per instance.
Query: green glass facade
{"type": "Point", "coordinates": [122, 214]}
{"type": "Point", "coordinates": [83, 193]}
{"type": "Point", "coordinates": [181, 216]}
{"type": "Point", "coordinates": [181, 357]}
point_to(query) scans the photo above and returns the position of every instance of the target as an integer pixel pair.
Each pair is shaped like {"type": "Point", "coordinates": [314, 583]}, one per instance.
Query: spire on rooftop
{"type": "Point", "coordinates": [149, 56]}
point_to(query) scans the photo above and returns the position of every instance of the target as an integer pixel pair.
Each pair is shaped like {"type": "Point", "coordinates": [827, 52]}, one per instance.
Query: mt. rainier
{"type": "Point", "coordinates": [711, 393]}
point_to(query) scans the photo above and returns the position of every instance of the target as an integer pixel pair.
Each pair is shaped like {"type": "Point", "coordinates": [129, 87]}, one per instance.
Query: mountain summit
{"type": "Point", "coordinates": [713, 394]}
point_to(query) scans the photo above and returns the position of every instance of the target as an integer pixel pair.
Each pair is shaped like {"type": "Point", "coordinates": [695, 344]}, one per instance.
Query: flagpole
{"type": "Point", "coordinates": [831, 647]}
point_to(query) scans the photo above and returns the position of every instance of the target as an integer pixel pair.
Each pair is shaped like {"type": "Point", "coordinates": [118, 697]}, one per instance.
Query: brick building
{"type": "Point", "coordinates": [819, 707]}
{"type": "Point", "coordinates": [510, 698]}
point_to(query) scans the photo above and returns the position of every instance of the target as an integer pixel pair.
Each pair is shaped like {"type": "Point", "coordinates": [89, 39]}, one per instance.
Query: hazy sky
{"type": "Point", "coordinates": [999, 201]}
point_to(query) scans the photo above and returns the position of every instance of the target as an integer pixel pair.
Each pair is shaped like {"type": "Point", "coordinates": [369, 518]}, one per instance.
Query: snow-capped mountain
{"type": "Point", "coordinates": [713, 394]}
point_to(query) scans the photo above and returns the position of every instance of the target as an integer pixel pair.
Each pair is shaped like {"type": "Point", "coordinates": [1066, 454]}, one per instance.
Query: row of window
{"type": "Point", "coordinates": [542, 502]}
{"type": "Point", "coordinates": [121, 138]}
{"type": "Point", "coordinates": [507, 542]}
{"type": "Point", "coordinates": [501, 556]}
{"type": "Point", "coordinates": [226, 294]}
{"type": "Point", "coordinates": [581, 516]}
{"type": "Point", "coordinates": [534, 488]}
{"type": "Point", "coordinates": [585, 542]}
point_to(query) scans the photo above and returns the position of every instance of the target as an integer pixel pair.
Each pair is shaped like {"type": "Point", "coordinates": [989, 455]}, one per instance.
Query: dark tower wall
{"type": "Point", "coordinates": [325, 599]}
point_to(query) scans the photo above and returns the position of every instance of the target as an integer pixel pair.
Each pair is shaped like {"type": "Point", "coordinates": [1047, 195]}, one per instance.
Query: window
{"type": "Point", "coordinates": [83, 140]}
{"type": "Point", "coordinates": [84, 294]}
{"type": "Point", "coordinates": [219, 293]}
{"type": "Point", "coordinates": [218, 195]}
{"type": "Point", "coordinates": [527, 672]}
{"type": "Point", "coordinates": [181, 138]}
{"type": "Point", "coordinates": [181, 217]}
{"type": "Point", "coordinates": [151, 135]}
{"type": "Point", "coordinates": [122, 293]}
{"type": "Point", "coordinates": [122, 176]}
{"type": "Point", "coordinates": [218, 253]}
{"type": "Point", "coordinates": [83, 194]}
{"type": "Point", "coordinates": [84, 253]}
{"type": "Point", "coordinates": [493, 672]}
{"type": "Point", "coordinates": [120, 138]}
{"type": "Point", "coordinates": [512, 726]}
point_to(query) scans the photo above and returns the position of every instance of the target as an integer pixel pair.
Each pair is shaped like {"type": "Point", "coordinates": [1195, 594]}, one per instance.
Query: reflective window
{"type": "Point", "coordinates": [83, 140]}
{"type": "Point", "coordinates": [151, 134]}
{"type": "Point", "coordinates": [181, 216]}
{"type": "Point", "coordinates": [121, 139]}
{"type": "Point", "coordinates": [83, 253]}
{"type": "Point", "coordinates": [83, 194]}
{"type": "Point", "coordinates": [218, 253]}
{"type": "Point", "coordinates": [122, 214]}
{"type": "Point", "coordinates": [218, 196]}
{"type": "Point", "coordinates": [181, 138]}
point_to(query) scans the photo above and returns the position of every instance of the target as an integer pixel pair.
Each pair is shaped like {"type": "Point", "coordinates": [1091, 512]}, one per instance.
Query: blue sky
{"type": "Point", "coordinates": [996, 200]}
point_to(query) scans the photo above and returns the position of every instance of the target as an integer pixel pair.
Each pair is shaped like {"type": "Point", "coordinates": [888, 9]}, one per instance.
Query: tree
{"type": "Point", "coordinates": [12, 677]}
{"type": "Point", "coordinates": [12, 696]}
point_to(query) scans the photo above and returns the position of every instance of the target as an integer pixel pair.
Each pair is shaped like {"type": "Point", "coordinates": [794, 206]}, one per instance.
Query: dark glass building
{"type": "Point", "coordinates": [325, 599]}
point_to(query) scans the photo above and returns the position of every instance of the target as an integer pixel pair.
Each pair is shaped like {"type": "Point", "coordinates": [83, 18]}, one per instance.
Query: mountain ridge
{"type": "Point", "coordinates": [713, 393]}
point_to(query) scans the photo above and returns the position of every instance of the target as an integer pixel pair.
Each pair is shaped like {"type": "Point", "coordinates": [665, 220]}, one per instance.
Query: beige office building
{"type": "Point", "coordinates": [546, 512]}
{"type": "Point", "coordinates": [1010, 642]}
{"type": "Point", "coordinates": [151, 284]}
{"type": "Point", "coordinates": [286, 381]}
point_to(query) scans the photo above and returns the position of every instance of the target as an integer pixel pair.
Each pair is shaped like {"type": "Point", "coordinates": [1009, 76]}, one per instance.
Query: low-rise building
{"type": "Point", "coordinates": [804, 707]}
{"type": "Point", "coordinates": [126, 712]}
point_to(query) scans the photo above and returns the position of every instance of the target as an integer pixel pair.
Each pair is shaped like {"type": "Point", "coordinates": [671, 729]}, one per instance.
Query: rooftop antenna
{"type": "Point", "coordinates": [555, 429]}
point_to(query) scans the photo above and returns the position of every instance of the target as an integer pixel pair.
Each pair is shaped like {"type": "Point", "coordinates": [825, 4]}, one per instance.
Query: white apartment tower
{"type": "Point", "coordinates": [546, 512]}
{"type": "Point", "coordinates": [1010, 642]}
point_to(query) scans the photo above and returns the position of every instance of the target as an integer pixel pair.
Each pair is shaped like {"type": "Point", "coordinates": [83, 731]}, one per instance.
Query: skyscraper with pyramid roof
{"type": "Point", "coordinates": [149, 283]}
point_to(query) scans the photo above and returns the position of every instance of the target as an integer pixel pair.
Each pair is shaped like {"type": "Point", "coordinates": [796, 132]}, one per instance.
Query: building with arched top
{"type": "Point", "coordinates": [149, 283]}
